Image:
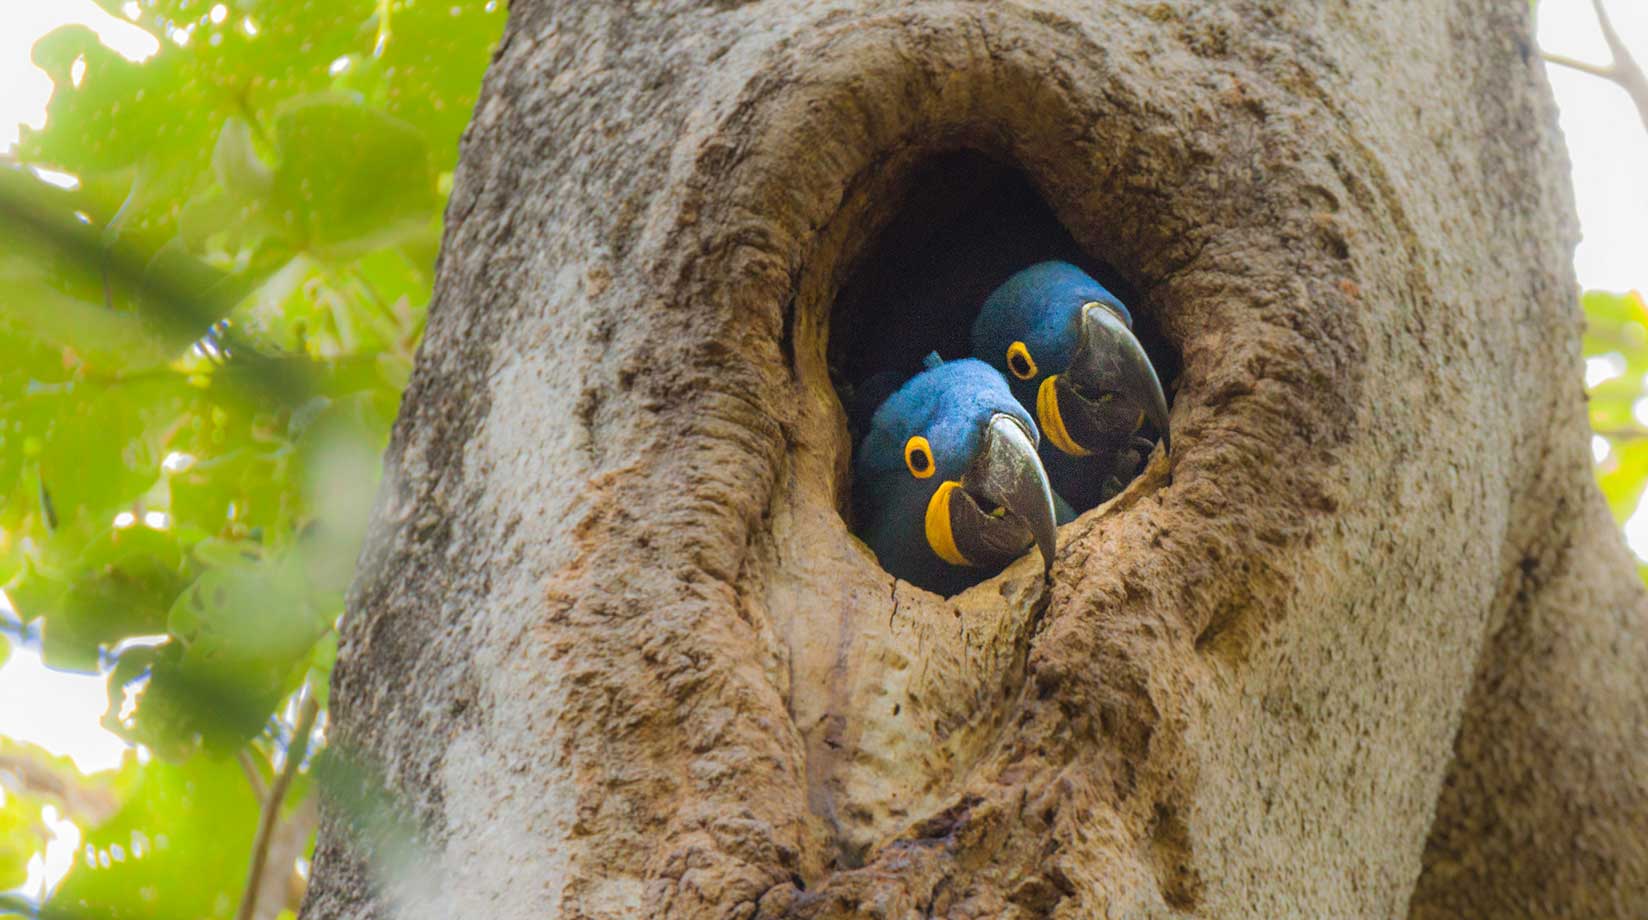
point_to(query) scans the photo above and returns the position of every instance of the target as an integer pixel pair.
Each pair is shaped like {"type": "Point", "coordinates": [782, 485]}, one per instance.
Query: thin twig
{"type": "Point", "coordinates": [253, 777]}
{"type": "Point", "coordinates": [282, 893]}
{"type": "Point", "coordinates": [1606, 72]}
{"type": "Point", "coordinates": [1622, 69]}
{"type": "Point", "coordinates": [295, 750]}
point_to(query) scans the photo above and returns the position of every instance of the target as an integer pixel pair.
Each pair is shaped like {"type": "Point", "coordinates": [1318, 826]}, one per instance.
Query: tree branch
{"type": "Point", "coordinates": [1629, 74]}
{"type": "Point", "coordinates": [1609, 35]}
{"type": "Point", "coordinates": [26, 774]}
{"type": "Point", "coordinates": [1622, 70]}
{"type": "Point", "coordinates": [1606, 72]}
{"type": "Point", "coordinates": [295, 750]}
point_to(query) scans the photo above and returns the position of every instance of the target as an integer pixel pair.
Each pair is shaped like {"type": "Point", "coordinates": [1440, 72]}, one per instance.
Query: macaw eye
{"type": "Point", "coordinates": [1019, 361]}
{"type": "Point", "coordinates": [918, 456]}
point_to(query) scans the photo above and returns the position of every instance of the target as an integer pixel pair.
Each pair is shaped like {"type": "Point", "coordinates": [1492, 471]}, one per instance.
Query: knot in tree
{"type": "Point", "coordinates": [1340, 651]}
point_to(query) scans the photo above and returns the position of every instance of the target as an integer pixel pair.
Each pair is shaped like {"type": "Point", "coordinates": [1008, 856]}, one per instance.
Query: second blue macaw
{"type": "Point", "coordinates": [947, 485]}
{"type": "Point", "coordinates": [1066, 347]}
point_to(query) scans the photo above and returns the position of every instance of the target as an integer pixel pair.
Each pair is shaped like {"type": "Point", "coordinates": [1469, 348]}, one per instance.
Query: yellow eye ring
{"type": "Point", "coordinates": [918, 456]}
{"type": "Point", "coordinates": [1019, 362]}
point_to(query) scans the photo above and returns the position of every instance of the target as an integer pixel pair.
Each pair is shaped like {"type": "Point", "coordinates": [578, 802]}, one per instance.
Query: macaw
{"type": "Point", "coordinates": [1066, 347]}
{"type": "Point", "coordinates": [947, 486]}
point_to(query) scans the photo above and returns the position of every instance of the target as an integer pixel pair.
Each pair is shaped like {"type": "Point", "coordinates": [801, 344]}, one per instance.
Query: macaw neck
{"type": "Point", "coordinates": [896, 531]}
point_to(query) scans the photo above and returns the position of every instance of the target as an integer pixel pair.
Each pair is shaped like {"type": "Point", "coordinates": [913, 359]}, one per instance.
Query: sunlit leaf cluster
{"type": "Point", "coordinates": [1616, 357]}
{"type": "Point", "coordinates": [214, 267]}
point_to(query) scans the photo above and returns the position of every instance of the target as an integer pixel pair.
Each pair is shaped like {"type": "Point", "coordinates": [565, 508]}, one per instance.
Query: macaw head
{"type": "Point", "coordinates": [1067, 348]}
{"type": "Point", "coordinates": [947, 480]}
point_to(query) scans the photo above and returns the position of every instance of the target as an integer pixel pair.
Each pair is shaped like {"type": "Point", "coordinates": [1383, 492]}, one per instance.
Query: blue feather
{"type": "Point", "coordinates": [949, 404]}
{"type": "Point", "coordinates": [1041, 307]}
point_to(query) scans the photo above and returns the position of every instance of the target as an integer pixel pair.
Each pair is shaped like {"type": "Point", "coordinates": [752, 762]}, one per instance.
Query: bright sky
{"type": "Point", "coordinates": [1606, 142]}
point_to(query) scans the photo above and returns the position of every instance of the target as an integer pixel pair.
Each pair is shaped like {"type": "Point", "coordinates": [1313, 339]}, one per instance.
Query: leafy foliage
{"type": "Point", "coordinates": [1616, 341]}
{"type": "Point", "coordinates": [207, 333]}
{"type": "Point", "coordinates": [37, 781]}
{"type": "Point", "coordinates": [177, 846]}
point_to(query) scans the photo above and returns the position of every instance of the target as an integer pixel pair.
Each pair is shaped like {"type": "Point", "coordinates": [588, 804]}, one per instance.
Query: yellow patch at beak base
{"type": "Point", "coordinates": [939, 535]}
{"type": "Point", "coordinates": [1052, 423]}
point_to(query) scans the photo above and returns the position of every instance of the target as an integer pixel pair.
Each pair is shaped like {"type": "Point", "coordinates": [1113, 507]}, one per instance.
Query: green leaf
{"type": "Point", "coordinates": [1624, 476]}
{"type": "Point", "coordinates": [1618, 324]}
{"type": "Point", "coordinates": [242, 639]}
{"type": "Point", "coordinates": [123, 586]}
{"type": "Point", "coordinates": [1613, 402]}
{"type": "Point", "coordinates": [22, 836]}
{"type": "Point", "coordinates": [432, 67]}
{"type": "Point", "coordinates": [351, 178]}
{"type": "Point", "coordinates": [177, 847]}
{"type": "Point", "coordinates": [240, 170]}
{"type": "Point", "coordinates": [97, 449]}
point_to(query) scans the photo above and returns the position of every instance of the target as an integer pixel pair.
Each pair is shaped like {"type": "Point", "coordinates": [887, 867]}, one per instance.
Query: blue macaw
{"type": "Point", "coordinates": [1066, 347]}
{"type": "Point", "coordinates": [947, 485]}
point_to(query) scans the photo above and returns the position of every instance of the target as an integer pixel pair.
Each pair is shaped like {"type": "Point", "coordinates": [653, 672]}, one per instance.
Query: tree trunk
{"type": "Point", "coordinates": [1365, 645]}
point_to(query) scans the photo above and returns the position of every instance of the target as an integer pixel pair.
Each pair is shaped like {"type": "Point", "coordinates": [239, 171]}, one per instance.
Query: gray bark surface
{"type": "Point", "coordinates": [1365, 645]}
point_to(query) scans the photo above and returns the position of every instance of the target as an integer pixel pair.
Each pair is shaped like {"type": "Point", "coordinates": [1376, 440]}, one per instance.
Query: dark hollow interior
{"type": "Point", "coordinates": [965, 224]}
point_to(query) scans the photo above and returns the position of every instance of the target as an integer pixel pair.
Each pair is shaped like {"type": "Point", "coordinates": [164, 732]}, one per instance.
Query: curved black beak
{"type": "Point", "coordinates": [1109, 383]}
{"type": "Point", "coordinates": [1004, 502]}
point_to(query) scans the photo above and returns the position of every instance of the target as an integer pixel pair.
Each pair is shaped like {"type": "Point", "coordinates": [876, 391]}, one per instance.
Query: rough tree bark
{"type": "Point", "coordinates": [1366, 644]}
